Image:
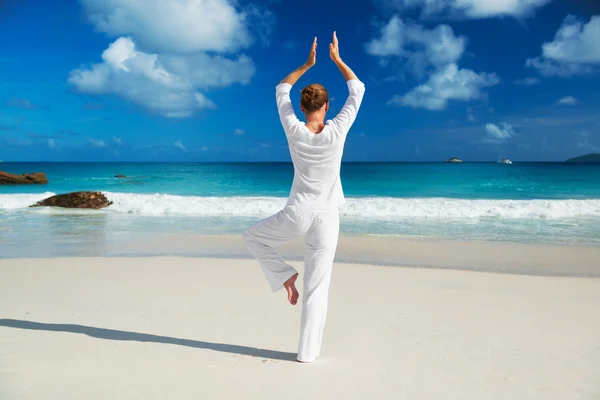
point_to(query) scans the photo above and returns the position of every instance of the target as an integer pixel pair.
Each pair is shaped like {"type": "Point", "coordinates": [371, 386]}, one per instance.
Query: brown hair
{"type": "Point", "coordinates": [313, 97]}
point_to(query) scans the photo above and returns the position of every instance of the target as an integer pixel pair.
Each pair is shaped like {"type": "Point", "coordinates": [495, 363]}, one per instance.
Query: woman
{"type": "Point", "coordinates": [311, 212]}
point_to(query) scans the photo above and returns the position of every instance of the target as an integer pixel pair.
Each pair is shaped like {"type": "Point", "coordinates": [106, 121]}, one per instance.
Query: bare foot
{"type": "Point", "coordinates": [290, 286]}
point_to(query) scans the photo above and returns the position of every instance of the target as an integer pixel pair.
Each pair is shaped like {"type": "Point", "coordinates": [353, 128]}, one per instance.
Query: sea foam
{"type": "Point", "coordinates": [365, 207]}
{"type": "Point", "coordinates": [21, 200]}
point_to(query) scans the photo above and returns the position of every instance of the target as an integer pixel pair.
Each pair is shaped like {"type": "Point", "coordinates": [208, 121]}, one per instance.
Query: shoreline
{"type": "Point", "coordinates": [463, 255]}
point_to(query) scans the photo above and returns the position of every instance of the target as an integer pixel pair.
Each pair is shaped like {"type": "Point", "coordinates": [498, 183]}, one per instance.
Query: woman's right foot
{"type": "Point", "coordinates": [292, 292]}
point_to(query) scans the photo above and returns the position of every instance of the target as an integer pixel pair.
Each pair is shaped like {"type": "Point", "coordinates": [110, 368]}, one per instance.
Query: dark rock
{"type": "Point", "coordinates": [94, 200]}
{"type": "Point", "coordinates": [11, 179]}
{"type": "Point", "coordinates": [121, 176]}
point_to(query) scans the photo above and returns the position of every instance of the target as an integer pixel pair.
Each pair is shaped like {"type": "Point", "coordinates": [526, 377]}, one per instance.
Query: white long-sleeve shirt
{"type": "Point", "coordinates": [317, 158]}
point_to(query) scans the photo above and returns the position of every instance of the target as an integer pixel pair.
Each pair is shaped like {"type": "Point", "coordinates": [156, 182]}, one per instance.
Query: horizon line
{"type": "Point", "coordinates": [277, 162]}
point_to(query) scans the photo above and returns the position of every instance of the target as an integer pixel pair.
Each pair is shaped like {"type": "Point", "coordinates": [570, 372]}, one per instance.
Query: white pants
{"type": "Point", "coordinates": [320, 230]}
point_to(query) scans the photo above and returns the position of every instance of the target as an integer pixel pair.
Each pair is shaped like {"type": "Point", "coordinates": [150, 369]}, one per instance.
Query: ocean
{"type": "Point", "coordinates": [544, 203]}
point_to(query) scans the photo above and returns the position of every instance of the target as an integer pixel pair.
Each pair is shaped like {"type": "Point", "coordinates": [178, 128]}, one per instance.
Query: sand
{"type": "Point", "coordinates": [193, 328]}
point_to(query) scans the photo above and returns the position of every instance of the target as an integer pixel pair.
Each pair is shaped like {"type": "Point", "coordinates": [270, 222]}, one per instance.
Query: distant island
{"type": "Point", "coordinates": [454, 159]}
{"type": "Point", "coordinates": [588, 158]}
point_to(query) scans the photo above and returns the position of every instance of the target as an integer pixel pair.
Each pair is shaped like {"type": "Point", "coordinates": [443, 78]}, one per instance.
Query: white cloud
{"type": "Point", "coordinates": [498, 134]}
{"type": "Point", "coordinates": [433, 52]}
{"type": "Point", "coordinates": [573, 51]}
{"type": "Point", "coordinates": [569, 100]}
{"type": "Point", "coordinates": [180, 145]}
{"type": "Point", "coordinates": [117, 141]}
{"type": "Point", "coordinates": [52, 143]}
{"type": "Point", "coordinates": [447, 84]}
{"type": "Point", "coordinates": [474, 9]}
{"type": "Point", "coordinates": [97, 143]}
{"type": "Point", "coordinates": [207, 71]}
{"type": "Point", "coordinates": [528, 81]}
{"type": "Point", "coordinates": [391, 41]}
{"type": "Point", "coordinates": [239, 132]}
{"type": "Point", "coordinates": [422, 47]}
{"type": "Point", "coordinates": [179, 26]}
{"type": "Point", "coordinates": [164, 84]}
{"type": "Point", "coordinates": [168, 53]}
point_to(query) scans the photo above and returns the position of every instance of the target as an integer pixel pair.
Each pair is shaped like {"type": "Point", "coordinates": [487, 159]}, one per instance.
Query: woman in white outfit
{"type": "Point", "coordinates": [311, 212]}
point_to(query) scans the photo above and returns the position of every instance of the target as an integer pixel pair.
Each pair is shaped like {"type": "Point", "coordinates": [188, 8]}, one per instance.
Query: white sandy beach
{"type": "Point", "coordinates": [187, 328]}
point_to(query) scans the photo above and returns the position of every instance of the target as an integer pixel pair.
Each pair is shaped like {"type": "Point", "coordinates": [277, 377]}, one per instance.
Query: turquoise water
{"type": "Point", "coordinates": [463, 181]}
{"type": "Point", "coordinates": [532, 203]}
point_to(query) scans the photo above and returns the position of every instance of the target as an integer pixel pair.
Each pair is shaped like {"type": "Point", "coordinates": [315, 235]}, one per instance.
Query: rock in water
{"type": "Point", "coordinates": [94, 200]}
{"type": "Point", "coordinates": [11, 179]}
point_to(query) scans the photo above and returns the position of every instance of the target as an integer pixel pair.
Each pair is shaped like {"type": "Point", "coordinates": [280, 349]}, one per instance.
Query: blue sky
{"type": "Point", "coordinates": [185, 80]}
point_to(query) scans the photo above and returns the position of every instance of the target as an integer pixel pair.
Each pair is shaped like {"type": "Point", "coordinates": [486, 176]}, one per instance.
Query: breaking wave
{"type": "Point", "coordinates": [365, 207]}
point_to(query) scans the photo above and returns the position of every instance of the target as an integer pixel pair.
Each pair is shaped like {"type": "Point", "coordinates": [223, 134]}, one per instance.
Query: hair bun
{"type": "Point", "coordinates": [314, 97]}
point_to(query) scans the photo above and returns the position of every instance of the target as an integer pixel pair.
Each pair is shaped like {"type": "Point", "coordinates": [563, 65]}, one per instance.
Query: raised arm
{"type": "Point", "coordinates": [334, 53]}
{"type": "Point", "coordinates": [356, 89]}
{"type": "Point", "coordinates": [284, 103]}
{"type": "Point", "coordinates": [292, 78]}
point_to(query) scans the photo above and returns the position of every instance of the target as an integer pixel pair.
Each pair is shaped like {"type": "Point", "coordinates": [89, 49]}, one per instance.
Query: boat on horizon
{"type": "Point", "coordinates": [504, 160]}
